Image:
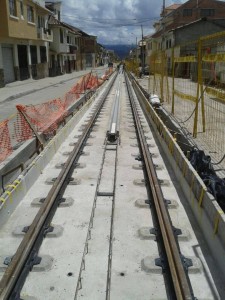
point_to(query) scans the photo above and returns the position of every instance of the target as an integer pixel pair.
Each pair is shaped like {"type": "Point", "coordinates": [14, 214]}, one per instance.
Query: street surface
{"type": "Point", "coordinates": [39, 91]}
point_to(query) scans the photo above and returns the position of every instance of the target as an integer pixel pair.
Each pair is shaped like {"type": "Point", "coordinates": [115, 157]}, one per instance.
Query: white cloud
{"type": "Point", "coordinates": [115, 21]}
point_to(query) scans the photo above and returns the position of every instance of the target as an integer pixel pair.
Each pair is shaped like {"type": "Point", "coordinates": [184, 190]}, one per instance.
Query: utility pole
{"type": "Point", "coordinates": [136, 51]}
{"type": "Point", "coordinates": [162, 53]}
{"type": "Point", "coordinates": [142, 52]}
{"type": "Point", "coordinates": [163, 22]}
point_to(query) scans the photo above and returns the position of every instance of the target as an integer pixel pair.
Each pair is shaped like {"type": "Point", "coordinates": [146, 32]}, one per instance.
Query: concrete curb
{"type": "Point", "coordinates": [205, 208]}
{"type": "Point", "coordinates": [13, 97]}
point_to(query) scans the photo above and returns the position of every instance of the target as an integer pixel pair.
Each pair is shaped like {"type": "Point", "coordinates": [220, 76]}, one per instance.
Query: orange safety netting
{"type": "Point", "coordinates": [22, 130]}
{"type": "Point", "coordinates": [88, 81]}
{"type": "Point", "coordinates": [43, 118]}
{"type": "Point", "coordinates": [5, 142]}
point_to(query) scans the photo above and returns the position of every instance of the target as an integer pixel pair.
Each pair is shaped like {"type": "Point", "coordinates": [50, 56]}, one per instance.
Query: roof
{"type": "Point", "coordinates": [218, 22]}
{"type": "Point", "coordinates": [54, 21]}
{"type": "Point", "coordinates": [42, 7]}
{"type": "Point", "coordinates": [70, 27]}
{"type": "Point", "coordinates": [173, 6]}
{"type": "Point", "coordinates": [170, 9]}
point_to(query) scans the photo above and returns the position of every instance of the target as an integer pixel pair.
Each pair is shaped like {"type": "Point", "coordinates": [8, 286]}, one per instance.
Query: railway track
{"type": "Point", "coordinates": [109, 223]}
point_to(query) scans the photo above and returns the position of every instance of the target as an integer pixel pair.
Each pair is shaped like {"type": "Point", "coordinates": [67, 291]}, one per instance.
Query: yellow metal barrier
{"type": "Point", "coordinates": [192, 75]}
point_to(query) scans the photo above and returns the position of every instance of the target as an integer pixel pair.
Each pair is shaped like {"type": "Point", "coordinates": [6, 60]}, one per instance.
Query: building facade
{"type": "Point", "coordinates": [35, 43]}
{"type": "Point", "coordinates": [63, 49]}
{"type": "Point", "coordinates": [24, 40]}
{"type": "Point", "coordinates": [183, 23]}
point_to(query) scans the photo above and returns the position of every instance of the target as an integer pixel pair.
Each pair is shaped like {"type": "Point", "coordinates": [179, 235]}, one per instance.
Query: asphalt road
{"type": "Point", "coordinates": [8, 108]}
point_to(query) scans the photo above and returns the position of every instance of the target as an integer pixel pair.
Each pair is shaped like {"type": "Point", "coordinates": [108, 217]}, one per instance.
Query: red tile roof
{"type": "Point", "coordinates": [173, 6]}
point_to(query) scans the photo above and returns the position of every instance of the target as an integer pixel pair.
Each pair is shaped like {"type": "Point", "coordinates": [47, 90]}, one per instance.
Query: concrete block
{"type": "Point", "coordinates": [78, 165]}
{"type": "Point", "coordinates": [57, 231]}
{"type": "Point", "coordinates": [137, 167]}
{"type": "Point", "coordinates": [73, 144]}
{"type": "Point", "coordinates": [25, 297]}
{"type": "Point", "coordinates": [173, 204]}
{"type": "Point", "coordinates": [135, 154]}
{"type": "Point", "coordinates": [144, 234]}
{"type": "Point", "coordinates": [140, 182]}
{"type": "Point", "coordinates": [131, 130]}
{"type": "Point", "coordinates": [73, 181]}
{"type": "Point", "coordinates": [111, 147]}
{"type": "Point", "coordinates": [154, 155]}
{"type": "Point", "coordinates": [148, 265]}
{"type": "Point", "coordinates": [141, 203]}
{"type": "Point", "coordinates": [151, 145]}
{"type": "Point", "coordinates": [37, 202]}
{"type": "Point", "coordinates": [164, 182]}
{"type": "Point", "coordinates": [158, 167]}
{"type": "Point", "coordinates": [68, 153]}
{"type": "Point", "coordinates": [45, 264]}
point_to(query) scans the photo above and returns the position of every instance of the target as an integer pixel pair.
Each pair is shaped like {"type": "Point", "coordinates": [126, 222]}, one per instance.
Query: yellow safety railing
{"type": "Point", "coordinates": [190, 81]}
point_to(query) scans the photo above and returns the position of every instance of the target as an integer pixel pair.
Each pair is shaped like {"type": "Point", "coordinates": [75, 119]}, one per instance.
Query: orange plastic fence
{"type": "Point", "coordinates": [88, 81]}
{"type": "Point", "coordinates": [5, 141]}
{"type": "Point", "coordinates": [45, 117]}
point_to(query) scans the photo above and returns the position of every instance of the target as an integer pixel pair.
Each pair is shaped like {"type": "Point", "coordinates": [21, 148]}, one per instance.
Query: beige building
{"type": "Point", "coordinates": [24, 40]}
{"type": "Point", "coordinates": [182, 23]}
{"type": "Point", "coordinates": [34, 43]}
{"type": "Point", "coordinates": [71, 49]}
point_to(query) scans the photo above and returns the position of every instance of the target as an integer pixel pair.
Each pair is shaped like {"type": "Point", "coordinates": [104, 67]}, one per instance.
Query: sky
{"type": "Point", "coordinates": [114, 21]}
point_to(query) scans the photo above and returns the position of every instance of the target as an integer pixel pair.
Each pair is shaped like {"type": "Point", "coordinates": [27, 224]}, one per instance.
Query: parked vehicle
{"type": "Point", "coordinates": [146, 70]}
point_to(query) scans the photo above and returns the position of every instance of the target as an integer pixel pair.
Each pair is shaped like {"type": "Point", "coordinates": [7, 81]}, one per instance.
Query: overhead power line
{"type": "Point", "coordinates": [107, 23]}
{"type": "Point", "coordinates": [107, 19]}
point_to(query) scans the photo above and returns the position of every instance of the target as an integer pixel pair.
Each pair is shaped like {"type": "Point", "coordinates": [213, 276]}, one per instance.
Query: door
{"type": "Point", "coordinates": [7, 55]}
{"type": "Point", "coordinates": [33, 55]}
{"type": "Point", "coordinates": [23, 62]}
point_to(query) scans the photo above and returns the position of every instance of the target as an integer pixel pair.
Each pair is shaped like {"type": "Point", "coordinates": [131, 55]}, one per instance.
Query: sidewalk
{"type": "Point", "coordinates": [18, 89]}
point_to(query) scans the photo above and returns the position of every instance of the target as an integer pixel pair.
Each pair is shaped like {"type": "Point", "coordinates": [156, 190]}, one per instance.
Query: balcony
{"type": "Point", "coordinates": [72, 49]}
{"type": "Point", "coordinates": [45, 34]}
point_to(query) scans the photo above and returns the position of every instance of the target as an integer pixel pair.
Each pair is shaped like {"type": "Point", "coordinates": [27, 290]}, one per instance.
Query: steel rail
{"type": "Point", "coordinates": [113, 131]}
{"type": "Point", "coordinates": [24, 250]}
{"type": "Point", "coordinates": [181, 284]}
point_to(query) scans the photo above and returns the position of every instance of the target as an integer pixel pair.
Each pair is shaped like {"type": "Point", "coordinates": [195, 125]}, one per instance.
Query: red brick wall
{"type": "Point", "coordinates": [196, 6]}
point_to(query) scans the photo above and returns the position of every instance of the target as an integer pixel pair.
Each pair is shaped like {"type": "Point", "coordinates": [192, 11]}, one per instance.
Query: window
{"type": "Point", "coordinates": [30, 14]}
{"type": "Point", "coordinates": [40, 22]}
{"type": "Point", "coordinates": [43, 54]}
{"type": "Point", "coordinates": [61, 36]}
{"type": "Point", "coordinates": [168, 44]}
{"type": "Point", "coordinates": [187, 12]}
{"type": "Point", "coordinates": [21, 8]}
{"type": "Point", "coordinates": [207, 12]}
{"type": "Point", "coordinates": [150, 46]}
{"type": "Point", "coordinates": [12, 7]}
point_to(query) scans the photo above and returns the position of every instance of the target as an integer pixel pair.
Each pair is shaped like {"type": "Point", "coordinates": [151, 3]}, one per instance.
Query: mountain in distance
{"type": "Point", "coordinates": [121, 51]}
